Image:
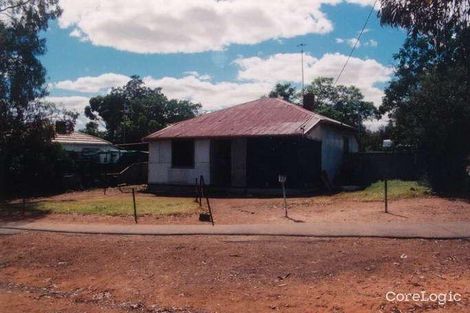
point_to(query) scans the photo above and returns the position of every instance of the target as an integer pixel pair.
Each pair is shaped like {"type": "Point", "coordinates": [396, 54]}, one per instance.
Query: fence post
{"type": "Point", "coordinates": [282, 179]}
{"type": "Point", "coordinates": [386, 195]}
{"type": "Point", "coordinates": [195, 189]}
{"type": "Point", "coordinates": [204, 194]}
{"type": "Point", "coordinates": [24, 206]}
{"type": "Point", "coordinates": [135, 207]}
{"type": "Point", "coordinates": [285, 199]}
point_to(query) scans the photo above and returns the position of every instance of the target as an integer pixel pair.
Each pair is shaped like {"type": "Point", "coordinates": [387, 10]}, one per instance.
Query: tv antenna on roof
{"type": "Point", "coordinates": [302, 45]}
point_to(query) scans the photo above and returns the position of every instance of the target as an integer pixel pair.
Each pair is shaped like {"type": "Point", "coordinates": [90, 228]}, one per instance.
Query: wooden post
{"type": "Point", "coordinates": [201, 190]}
{"type": "Point", "coordinates": [196, 187]}
{"type": "Point", "coordinates": [203, 194]}
{"type": "Point", "coordinates": [285, 200]}
{"type": "Point", "coordinates": [386, 195]}
{"type": "Point", "coordinates": [24, 206]}
{"type": "Point", "coordinates": [135, 207]}
{"type": "Point", "coordinates": [282, 179]}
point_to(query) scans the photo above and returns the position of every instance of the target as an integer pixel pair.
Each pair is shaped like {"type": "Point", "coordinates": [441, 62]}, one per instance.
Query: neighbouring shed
{"type": "Point", "coordinates": [249, 145]}
{"type": "Point", "coordinates": [86, 146]}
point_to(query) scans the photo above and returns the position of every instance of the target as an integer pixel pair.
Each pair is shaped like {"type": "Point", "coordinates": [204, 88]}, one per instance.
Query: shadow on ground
{"type": "Point", "coordinates": [21, 212]}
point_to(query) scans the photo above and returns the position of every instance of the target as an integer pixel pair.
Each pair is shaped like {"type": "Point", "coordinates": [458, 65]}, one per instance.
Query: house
{"type": "Point", "coordinates": [87, 146]}
{"type": "Point", "coordinates": [249, 145]}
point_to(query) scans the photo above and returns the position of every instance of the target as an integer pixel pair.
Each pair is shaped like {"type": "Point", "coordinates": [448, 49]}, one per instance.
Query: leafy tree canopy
{"type": "Point", "coordinates": [428, 100]}
{"type": "Point", "coordinates": [342, 103]}
{"type": "Point", "coordinates": [133, 111]}
{"type": "Point", "coordinates": [93, 128]}
{"type": "Point", "coordinates": [285, 91]}
{"type": "Point", "coordinates": [26, 152]}
{"type": "Point", "coordinates": [438, 20]}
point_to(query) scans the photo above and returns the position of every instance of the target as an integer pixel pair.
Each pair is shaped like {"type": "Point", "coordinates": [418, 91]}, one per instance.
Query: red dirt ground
{"type": "Point", "coordinates": [309, 209]}
{"type": "Point", "coordinates": [43, 272]}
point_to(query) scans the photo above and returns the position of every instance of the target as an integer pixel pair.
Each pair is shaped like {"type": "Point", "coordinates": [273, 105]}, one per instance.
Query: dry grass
{"type": "Point", "coordinates": [114, 203]}
{"type": "Point", "coordinates": [397, 189]}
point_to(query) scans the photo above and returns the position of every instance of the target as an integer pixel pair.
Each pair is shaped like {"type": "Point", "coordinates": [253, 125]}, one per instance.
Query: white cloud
{"type": "Point", "coordinates": [371, 43]}
{"type": "Point", "coordinates": [93, 84]}
{"type": "Point", "coordinates": [211, 95]}
{"type": "Point", "coordinates": [349, 41]}
{"type": "Point", "coordinates": [73, 103]}
{"type": "Point", "coordinates": [256, 77]}
{"type": "Point", "coordinates": [354, 42]}
{"type": "Point", "coordinates": [160, 26]}
{"type": "Point", "coordinates": [193, 86]}
{"type": "Point", "coordinates": [375, 125]}
{"type": "Point", "coordinates": [365, 2]}
{"type": "Point", "coordinates": [196, 74]}
{"type": "Point", "coordinates": [286, 67]}
{"type": "Point", "coordinates": [277, 67]}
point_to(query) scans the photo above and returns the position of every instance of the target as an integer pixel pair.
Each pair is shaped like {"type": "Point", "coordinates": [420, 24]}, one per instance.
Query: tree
{"type": "Point", "coordinates": [285, 91]}
{"type": "Point", "coordinates": [92, 128]}
{"type": "Point", "coordinates": [429, 98]}
{"type": "Point", "coordinates": [438, 20]}
{"type": "Point", "coordinates": [373, 140]}
{"type": "Point", "coordinates": [342, 103]}
{"type": "Point", "coordinates": [27, 154]}
{"type": "Point", "coordinates": [133, 111]}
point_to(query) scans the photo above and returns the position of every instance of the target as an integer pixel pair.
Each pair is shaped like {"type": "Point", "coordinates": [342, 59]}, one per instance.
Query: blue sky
{"type": "Point", "coordinates": [215, 53]}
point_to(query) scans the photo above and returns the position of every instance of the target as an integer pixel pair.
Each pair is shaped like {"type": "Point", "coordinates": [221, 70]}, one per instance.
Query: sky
{"type": "Point", "coordinates": [217, 53]}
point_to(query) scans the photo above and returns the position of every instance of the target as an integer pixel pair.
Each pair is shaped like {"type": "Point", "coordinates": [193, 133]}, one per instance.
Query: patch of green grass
{"type": "Point", "coordinates": [397, 189]}
{"type": "Point", "coordinates": [113, 205]}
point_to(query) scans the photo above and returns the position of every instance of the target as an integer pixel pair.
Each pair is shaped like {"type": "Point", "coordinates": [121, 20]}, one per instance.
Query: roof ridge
{"type": "Point", "coordinates": [263, 116]}
{"type": "Point", "coordinates": [96, 137]}
{"type": "Point", "coordinates": [200, 116]}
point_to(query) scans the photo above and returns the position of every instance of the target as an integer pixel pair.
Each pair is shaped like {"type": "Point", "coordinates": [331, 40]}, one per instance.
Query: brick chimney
{"type": "Point", "coordinates": [309, 101]}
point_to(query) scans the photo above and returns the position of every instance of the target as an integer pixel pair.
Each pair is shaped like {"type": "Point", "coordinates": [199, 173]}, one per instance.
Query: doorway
{"type": "Point", "coordinates": [221, 162]}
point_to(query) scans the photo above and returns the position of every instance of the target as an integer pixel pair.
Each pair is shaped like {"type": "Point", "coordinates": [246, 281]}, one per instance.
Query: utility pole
{"type": "Point", "coordinates": [302, 45]}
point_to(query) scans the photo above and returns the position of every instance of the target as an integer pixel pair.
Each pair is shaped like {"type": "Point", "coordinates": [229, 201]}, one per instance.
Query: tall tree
{"type": "Point", "coordinates": [25, 126]}
{"type": "Point", "coordinates": [286, 91]}
{"type": "Point", "coordinates": [343, 103]}
{"type": "Point", "coordinates": [134, 111]}
{"type": "Point", "coordinates": [429, 98]}
{"type": "Point", "coordinates": [93, 128]}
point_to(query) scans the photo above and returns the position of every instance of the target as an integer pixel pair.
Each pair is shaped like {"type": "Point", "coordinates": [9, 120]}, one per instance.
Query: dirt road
{"type": "Point", "coordinates": [83, 273]}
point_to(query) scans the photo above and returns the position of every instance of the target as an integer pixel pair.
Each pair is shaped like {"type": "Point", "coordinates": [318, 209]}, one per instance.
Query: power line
{"type": "Point", "coordinates": [356, 43]}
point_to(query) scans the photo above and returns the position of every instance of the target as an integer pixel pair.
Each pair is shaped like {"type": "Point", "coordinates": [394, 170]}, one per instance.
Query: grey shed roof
{"type": "Point", "coordinates": [80, 138]}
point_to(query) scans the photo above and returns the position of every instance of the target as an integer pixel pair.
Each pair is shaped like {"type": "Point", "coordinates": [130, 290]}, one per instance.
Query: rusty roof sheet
{"type": "Point", "coordinates": [262, 117]}
{"type": "Point", "coordinates": [79, 138]}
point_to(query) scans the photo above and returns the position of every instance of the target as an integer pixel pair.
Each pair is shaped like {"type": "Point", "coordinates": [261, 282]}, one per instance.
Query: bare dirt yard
{"type": "Point", "coordinates": [45, 272]}
{"type": "Point", "coordinates": [364, 206]}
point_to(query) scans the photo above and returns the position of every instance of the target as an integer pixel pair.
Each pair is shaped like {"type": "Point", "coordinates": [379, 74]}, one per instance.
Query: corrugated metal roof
{"type": "Point", "coordinates": [79, 138]}
{"type": "Point", "coordinates": [262, 117]}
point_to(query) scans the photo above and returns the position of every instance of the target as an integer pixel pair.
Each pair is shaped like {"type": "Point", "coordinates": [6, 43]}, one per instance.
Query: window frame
{"type": "Point", "coordinates": [174, 149]}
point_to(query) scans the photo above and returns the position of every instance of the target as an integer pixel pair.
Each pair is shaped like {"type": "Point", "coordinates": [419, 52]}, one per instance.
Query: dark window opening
{"type": "Point", "coordinates": [182, 153]}
{"type": "Point", "coordinates": [345, 144]}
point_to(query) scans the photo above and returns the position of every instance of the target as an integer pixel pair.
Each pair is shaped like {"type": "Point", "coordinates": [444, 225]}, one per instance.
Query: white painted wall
{"type": "Point", "coordinates": [332, 147]}
{"type": "Point", "coordinates": [161, 172]}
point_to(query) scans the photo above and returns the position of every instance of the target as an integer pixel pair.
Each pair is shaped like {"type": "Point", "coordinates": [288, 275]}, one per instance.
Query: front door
{"type": "Point", "coordinates": [221, 162]}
